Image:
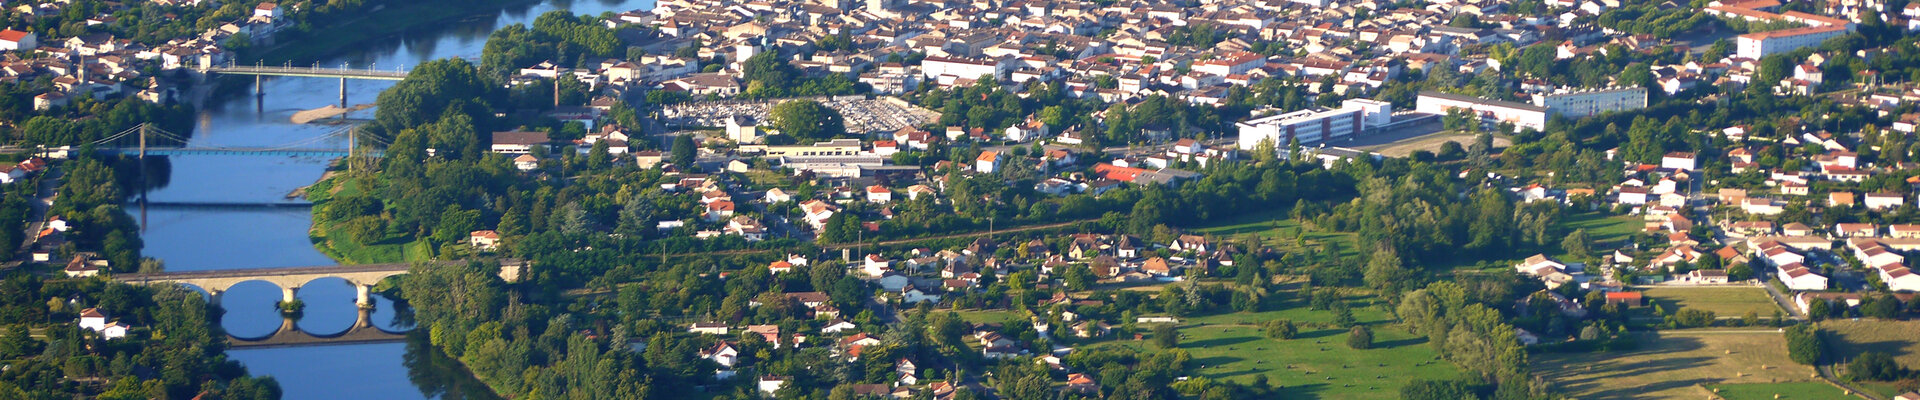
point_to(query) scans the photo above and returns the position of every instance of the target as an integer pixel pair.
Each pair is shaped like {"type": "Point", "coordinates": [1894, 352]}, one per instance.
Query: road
{"type": "Point", "coordinates": [1826, 373]}
{"type": "Point", "coordinates": [1785, 303]}
{"type": "Point", "coordinates": [37, 217]}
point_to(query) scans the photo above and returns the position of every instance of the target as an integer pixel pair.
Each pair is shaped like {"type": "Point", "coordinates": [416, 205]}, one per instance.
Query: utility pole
{"type": "Point", "coordinates": [143, 144]}
{"type": "Point", "coordinates": [353, 136]}
{"type": "Point", "coordinates": [556, 91]}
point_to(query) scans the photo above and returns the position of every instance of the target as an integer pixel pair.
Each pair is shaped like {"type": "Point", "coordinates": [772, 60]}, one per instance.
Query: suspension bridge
{"type": "Point", "coordinates": [159, 142]}
{"type": "Point", "coordinates": [344, 72]}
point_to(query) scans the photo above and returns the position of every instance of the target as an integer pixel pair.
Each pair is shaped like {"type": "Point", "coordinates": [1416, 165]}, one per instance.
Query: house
{"type": "Point", "coordinates": [11, 40]}
{"type": "Point", "coordinates": [1678, 161]}
{"type": "Point", "coordinates": [837, 325]}
{"type": "Point", "coordinates": [518, 142]}
{"type": "Point", "coordinates": [81, 267]}
{"type": "Point", "coordinates": [719, 211]}
{"type": "Point", "coordinates": [484, 240]}
{"type": "Point", "coordinates": [708, 328]}
{"type": "Point", "coordinates": [1805, 300]}
{"type": "Point", "coordinates": [1194, 243]}
{"type": "Point", "coordinates": [1799, 277]}
{"type": "Point", "coordinates": [1540, 265]}
{"type": "Point", "coordinates": [1081, 383]}
{"type": "Point", "coordinates": [1883, 201]}
{"type": "Point", "coordinates": [770, 383]}
{"type": "Point", "coordinates": [1707, 276]}
{"type": "Point", "coordinates": [1628, 299]}
{"type": "Point", "coordinates": [859, 339]}
{"type": "Point", "coordinates": [722, 353]}
{"type": "Point", "coordinates": [526, 162]}
{"type": "Point", "coordinates": [879, 194]}
{"type": "Point", "coordinates": [769, 332]}
{"type": "Point", "coordinates": [93, 319]}
{"type": "Point", "coordinates": [1855, 230]}
{"type": "Point", "coordinates": [988, 162]}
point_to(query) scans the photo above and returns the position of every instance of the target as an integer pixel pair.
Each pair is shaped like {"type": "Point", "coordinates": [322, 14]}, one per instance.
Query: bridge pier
{"type": "Point", "coordinates": [343, 95]}
{"type": "Point", "coordinates": [286, 326]}
{"type": "Point", "coordinates": [364, 320]}
{"type": "Point", "coordinates": [286, 293]}
{"type": "Point", "coordinates": [363, 297]}
{"type": "Point", "coordinates": [259, 89]}
{"type": "Point", "coordinates": [215, 295]}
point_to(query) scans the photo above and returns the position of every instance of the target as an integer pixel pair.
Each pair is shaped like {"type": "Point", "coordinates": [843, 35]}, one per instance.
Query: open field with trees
{"type": "Point", "coordinates": [1669, 364]}
{"type": "Point", "coordinates": [1722, 301]}
{"type": "Point", "coordinates": [1316, 361]}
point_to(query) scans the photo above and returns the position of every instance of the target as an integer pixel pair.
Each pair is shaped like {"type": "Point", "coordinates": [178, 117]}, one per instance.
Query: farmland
{"type": "Point", "coordinates": [1670, 364]}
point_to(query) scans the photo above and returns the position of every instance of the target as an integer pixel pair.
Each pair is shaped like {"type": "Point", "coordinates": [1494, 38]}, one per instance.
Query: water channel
{"type": "Point", "coordinates": [193, 239]}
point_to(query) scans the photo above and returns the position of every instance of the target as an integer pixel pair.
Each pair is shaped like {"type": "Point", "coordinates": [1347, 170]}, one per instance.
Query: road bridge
{"type": "Point", "coordinates": [343, 73]}
{"type": "Point", "coordinates": [216, 282]}
{"type": "Point", "coordinates": [361, 276]}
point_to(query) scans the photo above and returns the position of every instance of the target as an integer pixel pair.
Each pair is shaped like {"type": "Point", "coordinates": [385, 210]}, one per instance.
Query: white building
{"type": "Point", "coordinates": [935, 67]}
{"type": "Point", "coordinates": [1315, 126]}
{"type": "Point", "coordinates": [1589, 102]}
{"type": "Point", "coordinates": [1521, 115]}
{"type": "Point", "coordinates": [1762, 44]}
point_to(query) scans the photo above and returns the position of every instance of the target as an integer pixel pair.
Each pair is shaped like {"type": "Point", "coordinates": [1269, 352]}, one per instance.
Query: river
{"type": "Point", "coordinates": [193, 239]}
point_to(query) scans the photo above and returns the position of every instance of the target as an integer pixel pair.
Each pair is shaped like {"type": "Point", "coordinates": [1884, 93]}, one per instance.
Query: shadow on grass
{"type": "Point", "coordinates": [1219, 342]}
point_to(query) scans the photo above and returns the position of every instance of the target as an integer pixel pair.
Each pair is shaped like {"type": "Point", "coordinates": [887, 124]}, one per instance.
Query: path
{"type": "Point", "coordinates": [1784, 303]}
{"type": "Point", "coordinates": [1826, 374]}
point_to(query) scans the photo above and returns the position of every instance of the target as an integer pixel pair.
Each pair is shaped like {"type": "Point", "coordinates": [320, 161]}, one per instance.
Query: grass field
{"type": "Point", "coordinates": [1432, 143]}
{"type": "Point", "coordinates": [1315, 364]}
{"type": "Point", "coordinates": [1669, 364]}
{"type": "Point", "coordinates": [989, 316]}
{"type": "Point", "coordinates": [1275, 228]}
{"type": "Point", "coordinates": [1722, 301]}
{"type": "Point", "coordinates": [1850, 338]}
{"type": "Point", "coordinates": [1785, 390]}
{"type": "Point", "coordinates": [1607, 231]}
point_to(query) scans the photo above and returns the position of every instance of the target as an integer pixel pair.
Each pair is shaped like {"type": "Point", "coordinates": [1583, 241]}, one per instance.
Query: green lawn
{"type": "Point", "coordinates": [1315, 364]}
{"type": "Point", "coordinates": [1786, 390]}
{"type": "Point", "coordinates": [1722, 301]}
{"type": "Point", "coordinates": [1607, 231]}
{"type": "Point", "coordinates": [1275, 228]}
{"type": "Point", "coordinates": [988, 316]}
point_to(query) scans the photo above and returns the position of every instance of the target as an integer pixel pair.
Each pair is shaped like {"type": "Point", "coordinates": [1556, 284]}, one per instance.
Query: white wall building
{"type": "Point", "coordinates": [1522, 115]}
{"type": "Point", "coordinates": [1315, 126]}
{"type": "Point", "coordinates": [934, 67]}
{"type": "Point", "coordinates": [1589, 102]}
{"type": "Point", "coordinates": [1762, 44]}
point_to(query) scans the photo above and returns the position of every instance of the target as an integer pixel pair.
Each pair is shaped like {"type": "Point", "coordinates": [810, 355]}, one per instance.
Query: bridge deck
{"type": "Point", "coordinates": [311, 72]}
{"type": "Point", "coordinates": [254, 272]}
{"type": "Point", "coordinates": [179, 151]}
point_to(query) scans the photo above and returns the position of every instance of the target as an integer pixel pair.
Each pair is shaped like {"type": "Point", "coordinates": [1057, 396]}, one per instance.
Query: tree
{"type": "Point", "coordinates": [1803, 344]}
{"type": "Point", "coordinates": [1740, 272]}
{"type": "Point", "coordinates": [1165, 336]}
{"type": "Point", "coordinates": [1282, 329]}
{"type": "Point", "coordinates": [1817, 309]}
{"type": "Point", "coordinates": [683, 151]}
{"type": "Point", "coordinates": [1576, 244]}
{"type": "Point", "coordinates": [807, 120]}
{"type": "Point", "coordinates": [1360, 338]}
{"type": "Point", "coordinates": [1876, 366]}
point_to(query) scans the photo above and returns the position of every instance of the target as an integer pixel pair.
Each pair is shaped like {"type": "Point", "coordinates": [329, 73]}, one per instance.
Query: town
{"type": "Point", "coordinates": [1493, 199]}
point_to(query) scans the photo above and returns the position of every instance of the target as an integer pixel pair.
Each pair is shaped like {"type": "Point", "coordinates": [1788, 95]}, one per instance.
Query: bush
{"type": "Point", "coordinates": [1876, 366]}
{"type": "Point", "coordinates": [1282, 329]}
{"type": "Point", "coordinates": [1165, 336]}
{"type": "Point", "coordinates": [1360, 338]}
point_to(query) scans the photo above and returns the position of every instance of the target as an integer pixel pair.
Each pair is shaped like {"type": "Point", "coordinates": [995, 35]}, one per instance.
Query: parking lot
{"type": "Point", "coordinates": [862, 115]}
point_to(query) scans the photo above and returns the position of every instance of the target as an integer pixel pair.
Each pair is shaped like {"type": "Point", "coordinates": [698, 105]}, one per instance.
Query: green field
{"type": "Point", "coordinates": [1274, 228]}
{"type": "Point", "coordinates": [1607, 231]}
{"type": "Point", "coordinates": [1784, 390]}
{"type": "Point", "coordinates": [1315, 364]}
{"type": "Point", "coordinates": [1722, 301]}
{"type": "Point", "coordinates": [1847, 339]}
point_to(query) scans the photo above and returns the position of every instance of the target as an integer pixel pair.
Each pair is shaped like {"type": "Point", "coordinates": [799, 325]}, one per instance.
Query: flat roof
{"type": "Point", "coordinates": [1478, 100]}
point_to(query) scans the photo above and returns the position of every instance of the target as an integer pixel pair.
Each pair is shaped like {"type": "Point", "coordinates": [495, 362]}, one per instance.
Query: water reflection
{"type": "Point", "coordinates": [440, 376]}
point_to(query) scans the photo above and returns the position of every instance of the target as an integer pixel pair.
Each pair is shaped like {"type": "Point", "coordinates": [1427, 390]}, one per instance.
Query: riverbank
{"type": "Point", "coordinates": [385, 21]}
